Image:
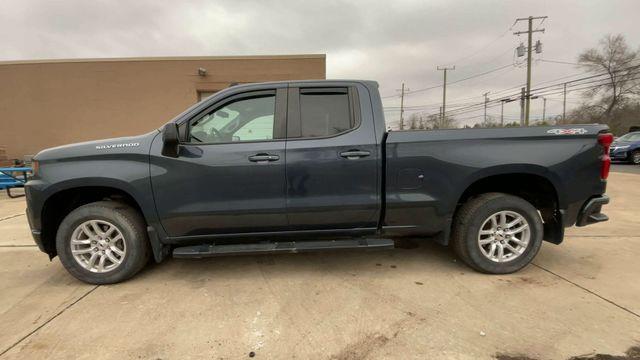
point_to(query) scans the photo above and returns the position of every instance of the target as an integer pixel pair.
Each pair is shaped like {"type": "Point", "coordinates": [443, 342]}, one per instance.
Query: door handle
{"type": "Point", "coordinates": [263, 158]}
{"type": "Point", "coordinates": [354, 154]}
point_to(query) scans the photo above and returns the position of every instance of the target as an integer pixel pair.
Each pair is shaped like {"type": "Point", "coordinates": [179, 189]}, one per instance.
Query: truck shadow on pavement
{"type": "Point", "coordinates": [409, 253]}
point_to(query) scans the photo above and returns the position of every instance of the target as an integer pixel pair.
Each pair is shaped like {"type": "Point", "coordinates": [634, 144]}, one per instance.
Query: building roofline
{"type": "Point", "coordinates": [167, 58]}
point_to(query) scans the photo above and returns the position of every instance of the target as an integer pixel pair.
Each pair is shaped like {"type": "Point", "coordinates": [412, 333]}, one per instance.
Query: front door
{"type": "Point", "coordinates": [229, 176]}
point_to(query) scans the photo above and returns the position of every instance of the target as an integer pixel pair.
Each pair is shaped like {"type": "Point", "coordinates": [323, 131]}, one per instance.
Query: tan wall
{"type": "Point", "coordinates": [44, 104]}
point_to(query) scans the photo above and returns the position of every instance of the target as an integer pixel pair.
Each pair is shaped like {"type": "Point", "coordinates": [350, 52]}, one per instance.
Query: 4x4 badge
{"type": "Point", "coordinates": [574, 131]}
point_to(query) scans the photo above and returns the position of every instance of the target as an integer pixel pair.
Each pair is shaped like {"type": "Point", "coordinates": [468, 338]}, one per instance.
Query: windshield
{"type": "Point", "coordinates": [630, 137]}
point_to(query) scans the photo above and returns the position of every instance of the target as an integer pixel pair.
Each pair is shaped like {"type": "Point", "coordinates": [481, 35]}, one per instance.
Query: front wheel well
{"type": "Point", "coordinates": [60, 204]}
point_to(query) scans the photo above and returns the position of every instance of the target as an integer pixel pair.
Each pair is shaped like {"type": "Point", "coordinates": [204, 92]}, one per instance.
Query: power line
{"type": "Point", "coordinates": [469, 105]}
{"type": "Point", "coordinates": [432, 105]}
{"type": "Point", "coordinates": [479, 106]}
{"type": "Point", "coordinates": [550, 87]}
{"type": "Point", "coordinates": [560, 78]}
{"type": "Point", "coordinates": [582, 88]}
{"type": "Point", "coordinates": [557, 62]}
{"type": "Point", "coordinates": [483, 47]}
{"type": "Point", "coordinates": [461, 80]}
{"type": "Point", "coordinates": [592, 77]}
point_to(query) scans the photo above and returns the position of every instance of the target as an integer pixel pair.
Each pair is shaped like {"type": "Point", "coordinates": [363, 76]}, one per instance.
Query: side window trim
{"type": "Point", "coordinates": [279, 118]}
{"type": "Point", "coordinates": [294, 126]}
{"type": "Point", "coordinates": [294, 118]}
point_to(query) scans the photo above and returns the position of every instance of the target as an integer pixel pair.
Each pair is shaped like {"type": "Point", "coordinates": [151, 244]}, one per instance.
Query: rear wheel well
{"type": "Point", "coordinates": [60, 204]}
{"type": "Point", "coordinates": [535, 189]}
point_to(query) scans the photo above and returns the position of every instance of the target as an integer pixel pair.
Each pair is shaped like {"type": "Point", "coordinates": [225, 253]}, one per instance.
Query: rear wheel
{"type": "Point", "coordinates": [103, 242]}
{"type": "Point", "coordinates": [497, 233]}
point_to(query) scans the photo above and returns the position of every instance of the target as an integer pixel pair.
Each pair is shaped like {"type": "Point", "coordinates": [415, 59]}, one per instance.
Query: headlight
{"type": "Point", "coordinates": [622, 147]}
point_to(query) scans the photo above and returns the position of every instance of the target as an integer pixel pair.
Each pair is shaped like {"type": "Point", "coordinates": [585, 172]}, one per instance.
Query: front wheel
{"type": "Point", "coordinates": [103, 242]}
{"type": "Point", "coordinates": [634, 158]}
{"type": "Point", "coordinates": [497, 233]}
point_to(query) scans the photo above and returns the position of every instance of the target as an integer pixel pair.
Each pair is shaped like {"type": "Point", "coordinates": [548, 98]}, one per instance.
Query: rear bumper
{"type": "Point", "coordinates": [591, 211]}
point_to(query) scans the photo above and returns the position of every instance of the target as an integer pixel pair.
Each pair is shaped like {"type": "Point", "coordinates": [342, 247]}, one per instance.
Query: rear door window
{"type": "Point", "coordinates": [322, 112]}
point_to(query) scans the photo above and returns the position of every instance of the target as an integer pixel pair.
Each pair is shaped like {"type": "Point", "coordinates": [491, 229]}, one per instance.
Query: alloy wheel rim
{"type": "Point", "coordinates": [504, 236]}
{"type": "Point", "coordinates": [98, 246]}
{"type": "Point", "coordinates": [636, 158]}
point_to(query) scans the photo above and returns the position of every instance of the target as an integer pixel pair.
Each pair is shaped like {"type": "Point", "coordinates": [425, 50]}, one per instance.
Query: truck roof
{"type": "Point", "coordinates": [309, 81]}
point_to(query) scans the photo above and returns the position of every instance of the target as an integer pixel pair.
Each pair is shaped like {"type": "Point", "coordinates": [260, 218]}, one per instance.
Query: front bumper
{"type": "Point", "coordinates": [590, 212]}
{"type": "Point", "coordinates": [622, 155]}
{"type": "Point", "coordinates": [35, 233]}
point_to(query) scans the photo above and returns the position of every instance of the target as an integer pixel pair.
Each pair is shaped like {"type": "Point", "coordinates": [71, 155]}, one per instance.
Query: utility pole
{"type": "Point", "coordinates": [529, 33]}
{"type": "Point", "coordinates": [564, 102]}
{"type": "Point", "coordinates": [503, 101]}
{"type": "Point", "coordinates": [486, 100]}
{"type": "Point", "coordinates": [444, 90]}
{"type": "Point", "coordinates": [544, 108]}
{"type": "Point", "coordinates": [522, 96]}
{"type": "Point", "coordinates": [402, 91]}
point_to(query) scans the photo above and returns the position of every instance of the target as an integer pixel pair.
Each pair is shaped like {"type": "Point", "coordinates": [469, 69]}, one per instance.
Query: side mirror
{"type": "Point", "coordinates": [170, 140]}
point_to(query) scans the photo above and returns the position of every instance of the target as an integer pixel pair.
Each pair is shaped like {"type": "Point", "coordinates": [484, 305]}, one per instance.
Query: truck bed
{"type": "Point", "coordinates": [428, 171]}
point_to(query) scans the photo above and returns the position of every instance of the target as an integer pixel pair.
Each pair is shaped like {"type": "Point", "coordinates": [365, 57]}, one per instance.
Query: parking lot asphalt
{"type": "Point", "coordinates": [581, 298]}
{"type": "Point", "coordinates": [625, 167]}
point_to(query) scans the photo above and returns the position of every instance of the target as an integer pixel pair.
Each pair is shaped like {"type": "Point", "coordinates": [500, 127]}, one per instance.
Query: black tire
{"type": "Point", "coordinates": [127, 220]}
{"type": "Point", "coordinates": [469, 220]}
{"type": "Point", "coordinates": [634, 157]}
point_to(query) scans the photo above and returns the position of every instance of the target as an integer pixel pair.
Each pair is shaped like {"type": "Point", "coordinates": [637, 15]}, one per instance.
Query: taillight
{"type": "Point", "coordinates": [605, 141]}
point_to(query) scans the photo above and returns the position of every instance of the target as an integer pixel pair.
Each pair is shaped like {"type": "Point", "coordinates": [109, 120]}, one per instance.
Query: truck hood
{"type": "Point", "coordinates": [623, 143]}
{"type": "Point", "coordinates": [122, 145]}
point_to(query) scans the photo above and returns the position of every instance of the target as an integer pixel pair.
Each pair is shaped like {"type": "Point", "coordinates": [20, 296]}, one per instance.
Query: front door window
{"type": "Point", "coordinates": [249, 119]}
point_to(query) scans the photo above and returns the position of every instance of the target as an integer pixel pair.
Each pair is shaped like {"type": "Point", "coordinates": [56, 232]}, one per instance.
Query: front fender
{"type": "Point", "coordinates": [128, 173]}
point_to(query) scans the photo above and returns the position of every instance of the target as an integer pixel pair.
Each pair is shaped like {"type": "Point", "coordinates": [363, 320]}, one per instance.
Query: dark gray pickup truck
{"type": "Point", "coordinates": [307, 165]}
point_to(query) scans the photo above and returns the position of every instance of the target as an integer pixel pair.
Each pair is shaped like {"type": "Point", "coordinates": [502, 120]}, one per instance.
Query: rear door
{"type": "Point", "coordinates": [332, 165]}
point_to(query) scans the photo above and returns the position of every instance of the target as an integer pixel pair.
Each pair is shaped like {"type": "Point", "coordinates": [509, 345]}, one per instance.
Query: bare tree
{"type": "Point", "coordinates": [614, 58]}
{"type": "Point", "coordinates": [414, 120]}
{"type": "Point", "coordinates": [421, 121]}
{"type": "Point", "coordinates": [489, 122]}
{"type": "Point", "coordinates": [436, 121]}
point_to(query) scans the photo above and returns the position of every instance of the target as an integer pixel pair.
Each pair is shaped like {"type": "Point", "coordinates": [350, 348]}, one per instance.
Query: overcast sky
{"type": "Point", "coordinates": [388, 41]}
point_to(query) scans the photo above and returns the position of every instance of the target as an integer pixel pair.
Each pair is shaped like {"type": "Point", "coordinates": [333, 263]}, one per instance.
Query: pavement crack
{"type": "Point", "coordinates": [589, 291]}
{"type": "Point", "coordinates": [48, 321]}
{"type": "Point", "coordinates": [11, 217]}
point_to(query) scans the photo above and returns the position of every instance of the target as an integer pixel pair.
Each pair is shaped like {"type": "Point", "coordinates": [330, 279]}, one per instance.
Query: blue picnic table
{"type": "Point", "coordinates": [9, 179]}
